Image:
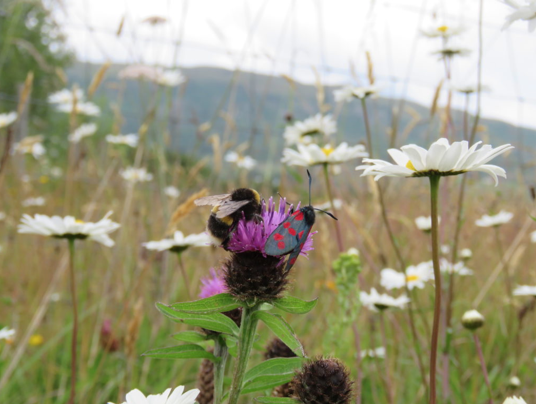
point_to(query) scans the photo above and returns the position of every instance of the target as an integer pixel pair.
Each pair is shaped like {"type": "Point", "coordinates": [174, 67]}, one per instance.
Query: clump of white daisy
{"type": "Point", "coordinates": [172, 192]}
{"type": "Point", "coordinates": [309, 130]}
{"type": "Point", "coordinates": [472, 320]}
{"type": "Point", "coordinates": [170, 78]}
{"type": "Point", "coordinates": [178, 396]}
{"type": "Point", "coordinates": [376, 301]}
{"type": "Point", "coordinates": [373, 353]}
{"type": "Point", "coordinates": [179, 243]}
{"type": "Point", "coordinates": [66, 96]}
{"type": "Point", "coordinates": [134, 175]}
{"type": "Point", "coordinates": [245, 162]}
{"type": "Point", "coordinates": [69, 227]}
{"type": "Point", "coordinates": [30, 145]}
{"type": "Point", "coordinates": [37, 201]}
{"type": "Point", "coordinates": [7, 333]}
{"type": "Point", "coordinates": [84, 130]}
{"type": "Point", "coordinates": [459, 268]}
{"type": "Point", "coordinates": [441, 159]}
{"type": "Point", "coordinates": [337, 204]}
{"type": "Point", "coordinates": [129, 140]}
{"type": "Point", "coordinates": [312, 154]}
{"type": "Point", "coordinates": [424, 223]}
{"type": "Point", "coordinates": [525, 290]}
{"type": "Point", "coordinates": [348, 93]}
{"type": "Point", "coordinates": [416, 276]}
{"type": "Point", "coordinates": [7, 119]}
{"type": "Point", "coordinates": [443, 31]}
{"type": "Point", "coordinates": [495, 220]}
{"type": "Point", "coordinates": [466, 254]}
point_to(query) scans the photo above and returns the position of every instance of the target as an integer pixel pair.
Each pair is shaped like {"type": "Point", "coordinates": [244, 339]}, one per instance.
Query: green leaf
{"type": "Point", "coordinates": [281, 329]}
{"type": "Point", "coordinates": [276, 400]}
{"type": "Point", "coordinates": [190, 336]}
{"type": "Point", "coordinates": [214, 304]}
{"type": "Point", "coordinates": [265, 383]}
{"type": "Point", "coordinates": [273, 367]}
{"type": "Point", "coordinates": [189, 351]}
{"type": "Point", "coordinates": [214, 321]}
{"type": "Point", "coordinates": [294, 305]}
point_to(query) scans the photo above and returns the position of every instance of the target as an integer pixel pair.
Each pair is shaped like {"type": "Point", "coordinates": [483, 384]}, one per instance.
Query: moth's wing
{"type": "Point", "coordinates": [287, 235]}
{"type": "Point", "coordinates": [212, 200]}
{"type": "Point", "coordinates": [297, 250]}
{"type": "Point", "coordinates": [229, 207]}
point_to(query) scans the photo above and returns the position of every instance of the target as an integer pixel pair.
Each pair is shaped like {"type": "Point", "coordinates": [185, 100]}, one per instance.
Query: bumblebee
{"type": "Point", "coordinates": [227, 211]}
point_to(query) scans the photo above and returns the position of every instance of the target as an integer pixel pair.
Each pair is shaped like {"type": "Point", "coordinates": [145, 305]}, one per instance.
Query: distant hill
{"type": "Point", "coordinates": [254, 109]}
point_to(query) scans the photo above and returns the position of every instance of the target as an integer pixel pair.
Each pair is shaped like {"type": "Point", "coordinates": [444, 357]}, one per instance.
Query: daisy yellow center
{"type": "Point", "coordinates": [410, 278]}
{"type": "Point", "coordinates": [327, 150]}
{"type": "Point", "coordinates": [443, 28]}
{"type": "Point", "coordinates": [410, 165]}
{"type": "Point", "coordinates": [79, 221]}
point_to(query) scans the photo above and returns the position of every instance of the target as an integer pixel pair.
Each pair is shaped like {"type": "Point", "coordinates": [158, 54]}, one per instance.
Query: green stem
{"type": "Point", "coordinates": [367, 127]}
{"type": "Point", "coordinates": [75, 321]}
{"type": "Point", "coordinates": [248, 327]}
{"type": "Point", "coordinates": [483, 365]}
{"type": "Point", "coordinates": [221, 352]}
{"type": "Point", "coordinates": [330, 196]}
{"type": "Point", "coordinates": [434, 188]}
{"type": "Point", "coordinates": [185, 276]}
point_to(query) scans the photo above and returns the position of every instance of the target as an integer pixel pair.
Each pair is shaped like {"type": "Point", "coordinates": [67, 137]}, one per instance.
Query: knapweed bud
{"type": "Point", "coordinates": [322, 381]}
{"type": "Point", "coordinates": [514, 382]}
{"type": "Point", "coordinates": [472, 320]}
{"type": "Point", "coordinates": [251, 276]}
{"type": "Point", "coordinates": [514, 400]}
{"type": "Point", "coordinates": [205, 382]}
{"type": "Point", "coordinates": [277, 349]}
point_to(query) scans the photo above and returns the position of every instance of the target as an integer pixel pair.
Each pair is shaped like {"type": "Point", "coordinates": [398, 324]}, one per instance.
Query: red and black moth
{"type": "Point", "coordinates": [290, 236]}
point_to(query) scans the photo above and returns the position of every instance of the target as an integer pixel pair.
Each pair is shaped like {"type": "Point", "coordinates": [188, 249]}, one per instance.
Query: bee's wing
{"type": "Point", "coordinates": [212, 200]}
{"type": "Point", "coordinates": [229, 207]}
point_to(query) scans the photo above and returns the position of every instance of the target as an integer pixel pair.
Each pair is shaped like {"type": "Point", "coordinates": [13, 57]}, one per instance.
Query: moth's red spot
{"type": "Point", "coordinates": [298, 215]}
{"type": "Point", "coordinates": [300, 234]}
{"type": "Point", "coordinates": [292, 231]}
{"type": "Point", "coordinates": [278, 237]}
{"type": "Point", "coordinates": [286, 225]}
{"type": "Point", "coordinates": [281, 245]}
{"type": "Point", "coordinates": [292, 261]}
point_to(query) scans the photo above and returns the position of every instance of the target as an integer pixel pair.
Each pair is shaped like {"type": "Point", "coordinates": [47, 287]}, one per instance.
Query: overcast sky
{"type": "Point", "coordinates": [294, 36]}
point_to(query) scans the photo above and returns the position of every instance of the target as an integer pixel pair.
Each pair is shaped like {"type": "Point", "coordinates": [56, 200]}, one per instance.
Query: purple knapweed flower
{"type": "Point", "coordinates": [212, 285]}
{"type": "Point", "coordinates": [252, 235]}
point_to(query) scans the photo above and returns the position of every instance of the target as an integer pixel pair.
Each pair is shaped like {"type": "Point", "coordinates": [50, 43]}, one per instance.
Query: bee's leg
{"type": "Point", "coordinates": [231, 231]}
{"type": "Point", "coordinates": [258, 218]}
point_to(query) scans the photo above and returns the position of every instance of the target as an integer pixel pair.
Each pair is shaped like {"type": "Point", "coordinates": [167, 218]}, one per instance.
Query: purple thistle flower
{"type": "Point", "coordinates": [252, 236]}
{"type": "Point", "coordinates": [212, 285]}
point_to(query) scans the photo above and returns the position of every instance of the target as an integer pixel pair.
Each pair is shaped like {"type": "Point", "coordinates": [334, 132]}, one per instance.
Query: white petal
{"type": "Point", "coordinates": [451, 157]}
{"type": "Point", "coordinates": [435, 154]}
{"type": "Point", "coordinates": [399, 157]}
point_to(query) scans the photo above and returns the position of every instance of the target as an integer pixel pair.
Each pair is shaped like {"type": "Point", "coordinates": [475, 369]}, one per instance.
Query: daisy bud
{"type": "Point", "coordinates": [472, 320]}
{"type": "Point", "coordinates": [466, 254]}
{"type": "Point", "coordinates": [277, 349]}
{"type": "Point", "coordinates": [514, 400]}
{"type": "Point", "coordinates": [323, 381]}
{"type": "Point", "coordinates": [251, 276]}
{"type": "Point", "coordinates": [514, 382]}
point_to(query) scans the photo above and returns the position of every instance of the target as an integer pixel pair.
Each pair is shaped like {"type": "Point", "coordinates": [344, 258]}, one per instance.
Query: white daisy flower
{"type": "Point", "coordinates": [81, 108]}
{"type": "Point", "coordinates": [245, 162]}
{"type": "Point", "coordinates": [525, 290]}
{"type": "Point", "coordinates": [416, 276]}
{"type": "Point", "coordinates": [313, 127]}
{"type": "Point", "coordinates": [69, 227]}
{"type": "Point", "coordinates": [170, 78]}
{"type": "Point", "coordinates": [523, 11]}
{"type": "Point", "coordinates": [66, 96]}
{"type": "Point", "coordinates": [130, 140]}
{"type": "Point", "coordinates": [37, 201]}
{"type": "Point", "coordinates": [337, 205]}
{"type": "Point", "coordinates": [30, 145]}
{"type": "Point", "coordinates": [137, 72]}
{"type": "Point", "coordinates": [459, 268]}
{"type": "Point", "coordinates": [176, 397]}
{"type": "Point", "coordinates": [533, 237]}
{"type": "Point", "coordinates": [445, 249]}
{"type": "Point", "coordinates": [441, 159]}
{"type": "Point", "coordinates": [374, 353]}
{"type": "Point", "coordinates": [424, 223]}
{"type": "Point", "coordinates": [312, 154]}
{"type": "Point", "coordinates": [84, 130]}
{"type": "Point", "coordinates": [172, 192]}
{"type": "Point", "coordinates": [451, 51]}
{"type": "Point", "coordinates": [375, 301]}
{"type": "Point", "coordinates": [469, 88]}
{"type": "Point", "coordinates": [443, 31]}
{"type": "Point", "coordinates": [179, 243]}
{"type": "Point", "coordinates": [133, 175]}
{"type": "Point", "coordinates": [466, 254]}
{"type": "Point", "coordinates": [495, 220]}
{"type": "Point", "coordinates": [514, 400]}
{"type": "Point", "coordinates": [6, 333]}
{"type": "Point", "coordinates": [348, 93]}
{"type": "Point", "coordinates": [7, 119]}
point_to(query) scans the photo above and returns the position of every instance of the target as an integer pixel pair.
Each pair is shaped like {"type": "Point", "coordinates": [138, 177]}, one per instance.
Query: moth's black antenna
{"type": "Point", "coordinates": [310, 180]}
{"type": "Point", "coordinates": [327, 213]}
{"type": "Point", "coordinates": [289, 204]}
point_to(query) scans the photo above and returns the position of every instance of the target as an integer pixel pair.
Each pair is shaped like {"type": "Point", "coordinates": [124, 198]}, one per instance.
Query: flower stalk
{"type": "Point", "coordinates": [483, 365]}
{"type": "Point", "coordinates": [434, 188]}
{"type": "Point", "coordinates": [246, 337]}
{"type": "Point", "coordinates": [221, 353]}
{"type": "Point", "coordinates": [75, 320]}
{"type": "Point", "coordinates": [330, 196]}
